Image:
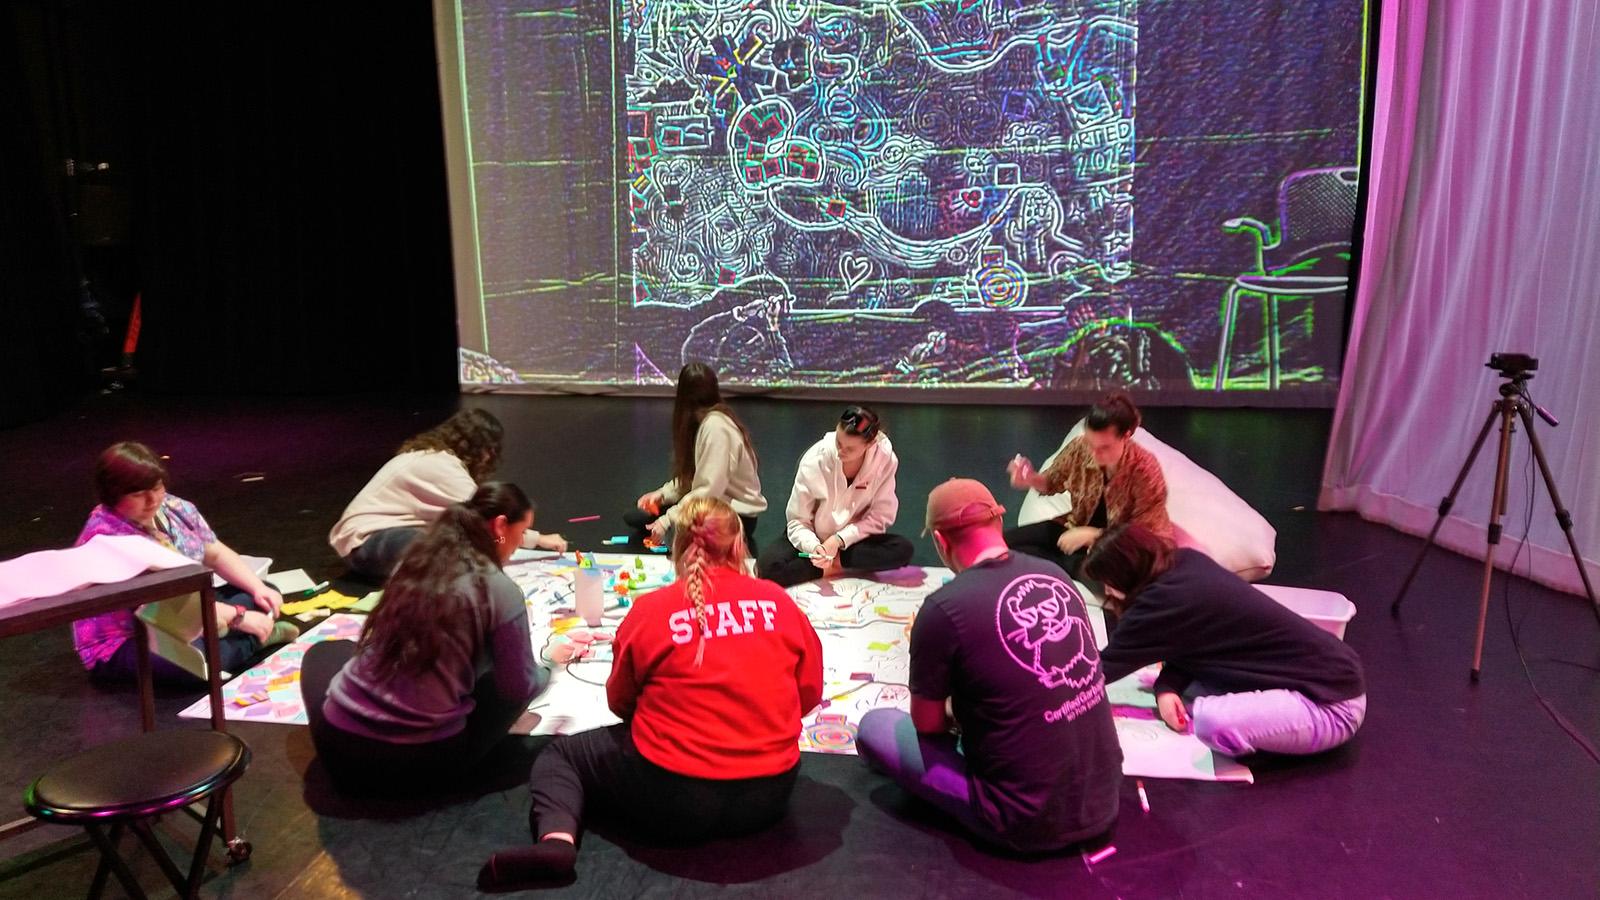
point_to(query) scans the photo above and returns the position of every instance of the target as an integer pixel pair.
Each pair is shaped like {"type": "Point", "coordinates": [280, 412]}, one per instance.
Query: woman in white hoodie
{"type": "Point", "coordinates": [711, 457]}
{"type": "Point", "coordinates": [841, 507]}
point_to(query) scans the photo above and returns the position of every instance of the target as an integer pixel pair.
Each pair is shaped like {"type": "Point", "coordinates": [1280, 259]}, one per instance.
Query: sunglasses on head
{"type": "Point", "coordinates": [859, 422]}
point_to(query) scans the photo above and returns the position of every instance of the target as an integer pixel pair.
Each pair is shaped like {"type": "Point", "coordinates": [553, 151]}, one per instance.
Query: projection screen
{"type": "Point", "coordinates": [978, 195]}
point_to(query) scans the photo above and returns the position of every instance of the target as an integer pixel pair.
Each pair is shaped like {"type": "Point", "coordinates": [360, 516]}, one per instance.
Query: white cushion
{"type": "Point", "coordinates": [1205, 514]}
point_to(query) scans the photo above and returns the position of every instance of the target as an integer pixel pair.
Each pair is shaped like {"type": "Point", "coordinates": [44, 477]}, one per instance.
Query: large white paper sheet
{"type": "Point", "coordinates": [105, 559]}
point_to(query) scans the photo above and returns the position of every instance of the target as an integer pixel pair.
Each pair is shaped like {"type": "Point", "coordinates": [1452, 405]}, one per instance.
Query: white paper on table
{"type": "Point", "coordinates": [256, 564]}
{"type": "Point", "coordinates": [294, 581]}
{"type": "Point", "coordinates": [105, 559]}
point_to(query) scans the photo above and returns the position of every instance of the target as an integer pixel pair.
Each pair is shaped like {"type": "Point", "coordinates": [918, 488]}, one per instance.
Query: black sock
{"type": "Point", "coordinates": [550, 860]}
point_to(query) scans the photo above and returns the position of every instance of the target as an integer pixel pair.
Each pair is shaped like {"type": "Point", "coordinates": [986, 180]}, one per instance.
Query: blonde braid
{"type": "Point", "coordinates": [694, 578]}
{"type": "Point", "coordinates": [708, 535]}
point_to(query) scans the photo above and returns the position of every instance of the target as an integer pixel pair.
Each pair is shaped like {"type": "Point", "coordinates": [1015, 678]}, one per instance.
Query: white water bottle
{"type": "Point", "coordinates": [590, 588]}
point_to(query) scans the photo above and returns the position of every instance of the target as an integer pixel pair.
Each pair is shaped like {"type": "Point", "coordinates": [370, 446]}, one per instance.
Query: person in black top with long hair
{"type": "Point", "coordinates": [1264, 678]}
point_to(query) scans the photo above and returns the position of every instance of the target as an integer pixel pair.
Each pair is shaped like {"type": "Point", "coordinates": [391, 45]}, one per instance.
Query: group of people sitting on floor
{"type": "Point", "coordinates": [1009, 733]}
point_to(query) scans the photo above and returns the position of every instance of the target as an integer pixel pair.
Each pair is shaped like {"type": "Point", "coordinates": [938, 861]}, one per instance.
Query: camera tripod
{"type": "Point", "coordinates": [1513, 404]}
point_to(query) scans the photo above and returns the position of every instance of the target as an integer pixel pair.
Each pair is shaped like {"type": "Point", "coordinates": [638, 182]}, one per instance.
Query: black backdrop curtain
{"type": "Point", "coordinates": [283, 168]}
{"type": "Point", "coordinates": [42, 358]}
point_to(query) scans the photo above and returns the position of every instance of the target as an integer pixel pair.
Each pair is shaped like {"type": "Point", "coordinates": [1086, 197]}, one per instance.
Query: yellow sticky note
{"type": "Point", "coordinates": [324, 600]}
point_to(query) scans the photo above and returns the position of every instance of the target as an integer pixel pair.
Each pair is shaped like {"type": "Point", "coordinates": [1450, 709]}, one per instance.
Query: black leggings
{"type": "Point", "coordinates": [1039, 539]}
{"type": "Point", "coordinates": [638, 522]}
{"type": "Point", "coordinates": [782, 563]}
{"type": "Point", "coordinates": [361, 765]}
{"type": "Point", "coordinates": [604, 768]}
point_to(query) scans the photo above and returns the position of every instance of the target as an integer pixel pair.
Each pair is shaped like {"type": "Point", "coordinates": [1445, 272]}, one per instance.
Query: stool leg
{"type": "Point", "coordinates": [141, 829]}
{"type": "Point", "coordinates": [202, 849]}
{"type": "Point", "coordinates": [104, 868]}
{"type": "Point", "coordinates": [108, 854]}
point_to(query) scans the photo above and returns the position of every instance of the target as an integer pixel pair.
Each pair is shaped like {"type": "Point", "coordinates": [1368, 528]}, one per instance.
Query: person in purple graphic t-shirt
{"type": "Point", "coordinates": [1007, 644]}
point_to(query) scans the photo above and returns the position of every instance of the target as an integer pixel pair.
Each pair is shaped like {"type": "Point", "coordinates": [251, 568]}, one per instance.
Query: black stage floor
{"type": "Point", "coordinates": [1450, 790]}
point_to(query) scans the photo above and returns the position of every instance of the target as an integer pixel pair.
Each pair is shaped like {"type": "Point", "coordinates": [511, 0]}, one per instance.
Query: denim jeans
{"type": "Point", "coordinates": [376, 557]}
{"type": "Point", "coordinates": [234, 650]}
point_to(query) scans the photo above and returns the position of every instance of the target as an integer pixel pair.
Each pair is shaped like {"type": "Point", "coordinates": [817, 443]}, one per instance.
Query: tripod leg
{"type": "Point", "coordinates": [1445, 506]}
{"type": "Point", "coordinates": [1563, 518]}
{"type": "Point", "coordinates": [1497, 508]}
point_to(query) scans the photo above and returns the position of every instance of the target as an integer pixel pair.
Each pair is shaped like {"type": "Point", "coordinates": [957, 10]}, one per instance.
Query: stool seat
{"type": "Point", "coordinates": [138, 777]}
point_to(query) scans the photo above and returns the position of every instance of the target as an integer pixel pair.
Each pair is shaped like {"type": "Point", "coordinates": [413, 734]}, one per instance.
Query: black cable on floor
{"type": "Point", "coordinates": [1515, 629]}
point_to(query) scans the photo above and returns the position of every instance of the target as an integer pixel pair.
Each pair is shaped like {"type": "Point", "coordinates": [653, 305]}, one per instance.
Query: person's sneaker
{"type": "Point", "coordinates": [283, 631]}
{"type": "Point", "coordinates": [550, 862]}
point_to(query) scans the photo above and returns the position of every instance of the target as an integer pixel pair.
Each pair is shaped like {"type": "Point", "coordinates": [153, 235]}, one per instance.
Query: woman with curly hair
{"type": "Point", "coordinates": [432, 470]}
{"type": "Point", "coordinates": [443, 667]}
{"type": "Point", "coordinates": [711, 676]}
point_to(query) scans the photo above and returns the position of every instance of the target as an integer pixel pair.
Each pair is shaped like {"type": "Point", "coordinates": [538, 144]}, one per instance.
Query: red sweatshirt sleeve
{"type": "Point", "coordinates": [808, 672]}
{"type": "Point", "coordinates": [622, 688]}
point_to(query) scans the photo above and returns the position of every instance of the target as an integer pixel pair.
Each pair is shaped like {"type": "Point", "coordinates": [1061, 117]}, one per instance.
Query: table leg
{"type": "Point", "coordinates": [141, 655]}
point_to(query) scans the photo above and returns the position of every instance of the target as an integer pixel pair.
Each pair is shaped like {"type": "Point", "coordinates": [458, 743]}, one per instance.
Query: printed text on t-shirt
{"type": "Point", "coordinates": [725, 618]}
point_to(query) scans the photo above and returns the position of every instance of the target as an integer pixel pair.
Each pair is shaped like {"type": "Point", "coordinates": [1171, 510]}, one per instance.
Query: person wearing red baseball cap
{"type": "Point", "coordinates": [1003, 656]}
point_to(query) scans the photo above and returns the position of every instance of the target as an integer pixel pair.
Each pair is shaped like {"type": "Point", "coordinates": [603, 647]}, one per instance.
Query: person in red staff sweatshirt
{"type": "Point", "coordinates": [711, 677]}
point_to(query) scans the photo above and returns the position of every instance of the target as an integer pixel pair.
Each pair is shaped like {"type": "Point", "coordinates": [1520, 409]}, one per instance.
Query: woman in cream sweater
{"type": "Point", "coordinates": [711, 457]}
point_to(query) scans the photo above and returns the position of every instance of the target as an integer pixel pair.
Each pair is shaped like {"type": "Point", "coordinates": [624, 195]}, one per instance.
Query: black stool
{"type": "Point", "coordinates": [129, 782]}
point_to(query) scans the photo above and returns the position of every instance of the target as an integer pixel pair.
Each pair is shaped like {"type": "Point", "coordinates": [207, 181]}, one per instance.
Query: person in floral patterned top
{"type": "Point", "coordinates": [132, 484]}
{"type": "Point", "coordinates": [1111, 480]}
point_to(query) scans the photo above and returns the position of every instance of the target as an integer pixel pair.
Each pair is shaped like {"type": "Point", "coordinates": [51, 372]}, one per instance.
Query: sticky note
{"type": "Point", "coordinates": [880, 646]}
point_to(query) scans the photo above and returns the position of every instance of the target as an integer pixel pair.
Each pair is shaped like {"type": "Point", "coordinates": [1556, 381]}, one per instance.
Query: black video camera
{"type": "Point", "coordinates": [1513, 365]}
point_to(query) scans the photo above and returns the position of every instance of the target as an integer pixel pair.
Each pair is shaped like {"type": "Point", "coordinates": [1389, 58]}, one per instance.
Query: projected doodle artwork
{"type": "Point", "coordinates": [1019, 194]}
{"type": "Point", "coordinates": [876, 191]}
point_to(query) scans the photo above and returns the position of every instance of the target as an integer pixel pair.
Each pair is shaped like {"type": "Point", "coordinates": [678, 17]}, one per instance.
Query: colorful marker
{"type": "Point", "coordinates": [585, 519]}
{"type": "Point", "coordinates": [1100, 856]}
{"type": "Point", "coordinates": [1144, 799]}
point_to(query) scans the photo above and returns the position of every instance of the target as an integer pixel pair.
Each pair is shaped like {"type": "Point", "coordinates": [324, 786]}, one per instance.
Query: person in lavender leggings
{"type": "Point", "coordinates": [1262, 677]}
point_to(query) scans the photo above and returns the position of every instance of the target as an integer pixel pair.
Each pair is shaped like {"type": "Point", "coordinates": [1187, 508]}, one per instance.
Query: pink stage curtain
{"type": "Point", "coordinates": [1482, 235]}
